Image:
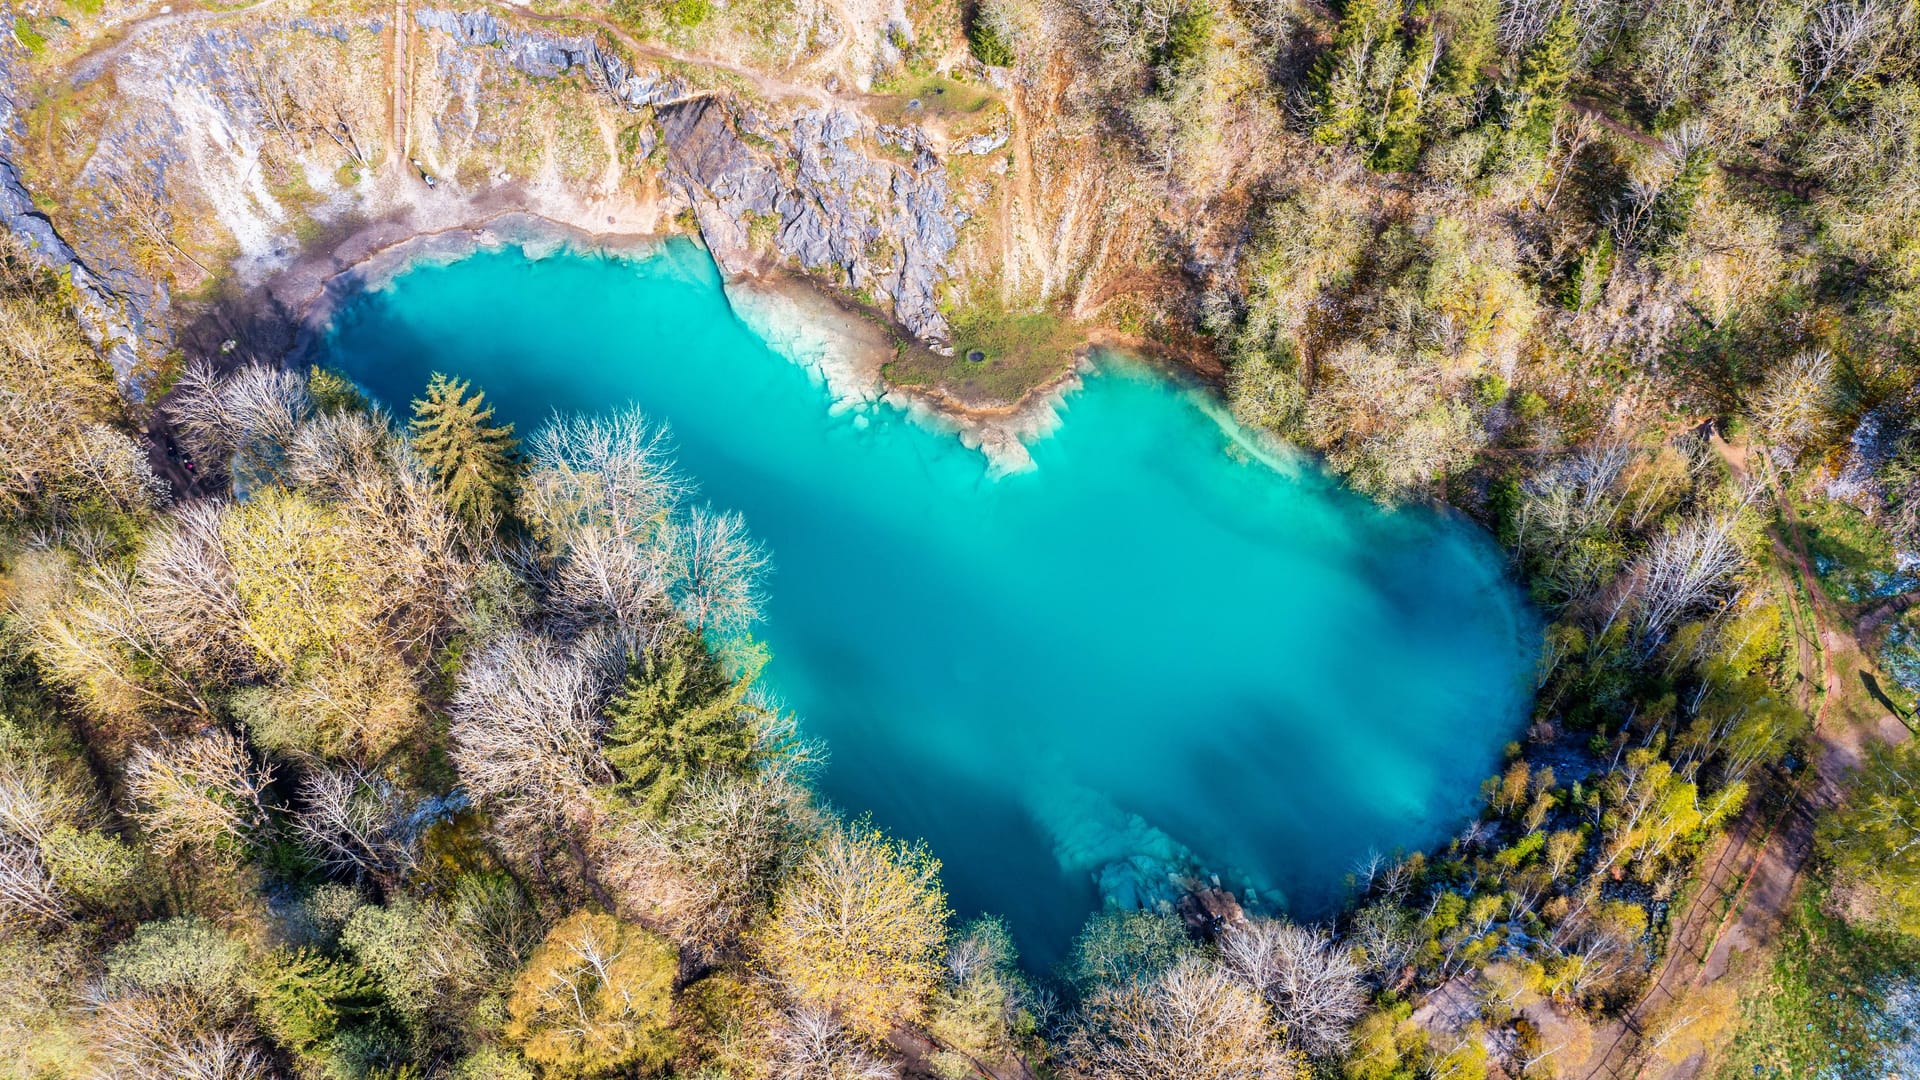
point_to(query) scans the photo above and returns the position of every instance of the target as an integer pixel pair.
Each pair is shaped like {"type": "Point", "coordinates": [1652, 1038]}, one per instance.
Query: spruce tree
{"type": "Point", "coordinates": [676, 717]}
{"type": "Point", "coordinates": [1673, 208]}
{"type": "Point", "coordinates": [472, 458]}
{"type": "Point", "coordinates": [1540, 88]}
{"type": "Point", "coordinates": [303, 998]}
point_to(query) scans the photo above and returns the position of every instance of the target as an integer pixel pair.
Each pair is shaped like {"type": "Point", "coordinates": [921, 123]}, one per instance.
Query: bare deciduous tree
{"type": "Point", "coordinates": [709, 869]}
{"type": "Point", "coordinates": [599, 493]}
{"type": "Point", "coordinates": [204, 792]}
{"type": "Point", "coordinates": [614, 472]}
{"type": "Point", "coordinates": [1796, 405]}
{"type": "Point", "coordinates": [1574, 501]}
{"type": "Point", "coordinates": [146, 1034]}
{"type": "Point", "coordinates": [34, 801]}
{"type": "Point", "coordinates": [1842, 41]}
{"type": "Point", "coordinates": [53, 386]}
{"type": "Point", "coordinates": [715, 569]}
{"type": "Point", "coordinates": [526, 727]}
{"type": "Point", "coordinates": [809, 1044]}
{"type": "Point", "coordinates": [135, 189]}
{"type": "Point", "coordinates": [1196, 1021]}
{"type": "Point", "coordinates": [106, 463]}
{"type": "Point", "coordinates": [1312, 984]}
{"type": "Point", "coordinates": [357, 823]}
{"type": "Point", "coordinates": [253, 411]}
{"type": "Point", "coordinates": [1384, 939]}
{"type": "Point", "coordinates": [1687, 567]}
{"type": "Point", "coordinates": [96, 639]}
{"type": "Point", "coordinates": [186, 596]}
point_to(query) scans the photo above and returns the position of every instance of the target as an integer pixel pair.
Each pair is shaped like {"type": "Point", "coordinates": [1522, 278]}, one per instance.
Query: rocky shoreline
{"type": "Point", "coordinates": [845, 346]}
{"type": "Point", "coordinates": [838, 235]}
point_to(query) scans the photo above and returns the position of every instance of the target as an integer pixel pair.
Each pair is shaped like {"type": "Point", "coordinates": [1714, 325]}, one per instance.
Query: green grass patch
{"type": "Point", "coordinates": [29, 37]}
{"type": "Point", "coordinates": [1817, 1010]}
{"type": "Point", "coordinates": [1018, 350]}
{"type": "Point", "coordinates": [1853, 557]}
{"type": "Point", "coordinates": [936, 95]}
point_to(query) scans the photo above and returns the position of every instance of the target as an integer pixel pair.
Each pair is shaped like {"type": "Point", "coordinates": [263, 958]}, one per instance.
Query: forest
{"type": "Point", "coordinates": [347, 744]}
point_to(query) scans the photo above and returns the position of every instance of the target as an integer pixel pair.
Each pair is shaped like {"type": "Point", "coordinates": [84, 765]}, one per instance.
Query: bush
{"type": "Point", "coordinates": [188, 956]}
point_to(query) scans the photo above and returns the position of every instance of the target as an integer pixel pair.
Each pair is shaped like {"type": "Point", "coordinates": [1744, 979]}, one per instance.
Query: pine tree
{"type": "Point", "coordinates": [304, 998]}
{"type": "Point", "coordinates": [473, 459]}
{"type": "Point", "coordinates": [1351, 79]}
{"type": "Point", "coordinates": [1673, 209]}
{"type": "Point", "coordinates": [1540, 88]}
{"type": "Point", "coordinates": [676, 717]}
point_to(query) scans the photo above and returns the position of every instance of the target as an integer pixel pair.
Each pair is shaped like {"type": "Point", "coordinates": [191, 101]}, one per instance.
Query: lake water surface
{"type": "Point", "coordinates": [1153, 654]}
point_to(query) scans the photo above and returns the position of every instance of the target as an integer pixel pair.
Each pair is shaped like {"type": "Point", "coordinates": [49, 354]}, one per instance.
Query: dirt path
{"type": "Point", "coordinates": [397, 89]}
{"type": "Point", "coordinates": [1023, 206]}
{"type": "Point", "coordinates": [1753, 870]}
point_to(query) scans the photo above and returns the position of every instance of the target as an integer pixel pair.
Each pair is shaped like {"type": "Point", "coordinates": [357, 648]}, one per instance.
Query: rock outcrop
{"type": "Point", "coordinates": [545, 56]}
{"type": "Point", "coordinates": [245, 133]}
{"type": "Point", "coordinates": [883, 228]}
{"type": "Point", "coordinates": [118, 319]}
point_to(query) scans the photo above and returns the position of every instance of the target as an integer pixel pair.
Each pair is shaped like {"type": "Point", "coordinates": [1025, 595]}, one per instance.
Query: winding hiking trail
{"type": "Point", "coordinates": [1753, 869]}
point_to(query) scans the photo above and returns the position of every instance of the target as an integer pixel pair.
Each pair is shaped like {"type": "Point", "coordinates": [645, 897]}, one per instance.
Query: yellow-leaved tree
{"type": "Point", "coordinates": [860, 930]}
{"type": "Point", "coordinates": [596, 997]}
{"type": "Point", "coordinates": [293, 570]}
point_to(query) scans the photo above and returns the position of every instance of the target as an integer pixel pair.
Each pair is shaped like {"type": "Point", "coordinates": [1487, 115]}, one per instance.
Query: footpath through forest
{"type": "Point", "coordinates": [1742, 896]}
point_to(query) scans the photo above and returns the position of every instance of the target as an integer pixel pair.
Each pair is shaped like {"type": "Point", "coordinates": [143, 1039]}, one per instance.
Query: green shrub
{"type": "Point", "coordinates": [29, 38]}
{"type": "Point", "coordinates": [493, 1063]}
{"type": "Point", "coordinates": [1189, 34]}
{"type": "Point", "coordinates": [987, 45]}
{"type": "Point", "coordinates": [1119, 947]}
{"type": "Point", "coordinates": [95, 869]}
{"type": "Point", "coordinates": [188, 955]}
{"type": "Point", "coordinates": [687, 14]}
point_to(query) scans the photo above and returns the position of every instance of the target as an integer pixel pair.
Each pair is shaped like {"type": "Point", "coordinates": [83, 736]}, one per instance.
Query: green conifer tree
{"type": "Point", "coordinates": [1352, 77]}
{"type": "Point", "coordinates": [473, 459]}
{"type": "Point", "coordinates": [1673, 209]}
{"type": "Point", "coordinates": [1540, 88]}
{"type": "Point", "coordinates": [677, 716]}
{"type": "Point", "coordinates": [303, 998]}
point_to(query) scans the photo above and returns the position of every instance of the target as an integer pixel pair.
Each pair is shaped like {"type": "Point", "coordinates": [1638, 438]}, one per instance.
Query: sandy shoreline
{"type": "Point", "coordinates": [808, 324]}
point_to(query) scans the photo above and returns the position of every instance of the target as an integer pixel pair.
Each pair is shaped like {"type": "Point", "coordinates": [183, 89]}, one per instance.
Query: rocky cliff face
{"type": "Point", "coordinates": [879, 226]}
{"type": "Point", "coordinates": [124, 314]}
{"type": "Point", "coordinates": [220, 147]}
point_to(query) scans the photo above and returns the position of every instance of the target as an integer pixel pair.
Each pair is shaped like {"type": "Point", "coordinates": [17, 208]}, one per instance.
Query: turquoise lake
{"type": "Point", "coordinates": [1153, 654]}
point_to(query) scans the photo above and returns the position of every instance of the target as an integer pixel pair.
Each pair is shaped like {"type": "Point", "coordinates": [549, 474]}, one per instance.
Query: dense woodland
{"type": "Point", "coordinates": [416, 746]}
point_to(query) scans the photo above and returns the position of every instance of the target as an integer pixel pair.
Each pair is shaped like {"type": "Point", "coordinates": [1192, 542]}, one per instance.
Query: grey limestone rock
{"type": "Point", "coordinates": [114, 324]}
{"type": "Point", "coordinates": [118, 318]}
{"type": "Point", "coordinates": [880, 225]}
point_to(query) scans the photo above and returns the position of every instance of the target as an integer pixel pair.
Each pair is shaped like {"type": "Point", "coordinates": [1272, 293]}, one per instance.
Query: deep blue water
{"type": "Point", "coordinates": [1155, 652]}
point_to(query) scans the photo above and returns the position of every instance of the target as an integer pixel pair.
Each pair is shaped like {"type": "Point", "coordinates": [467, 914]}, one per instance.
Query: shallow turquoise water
{"type": "Point", "coordinates": [1153, 653]}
